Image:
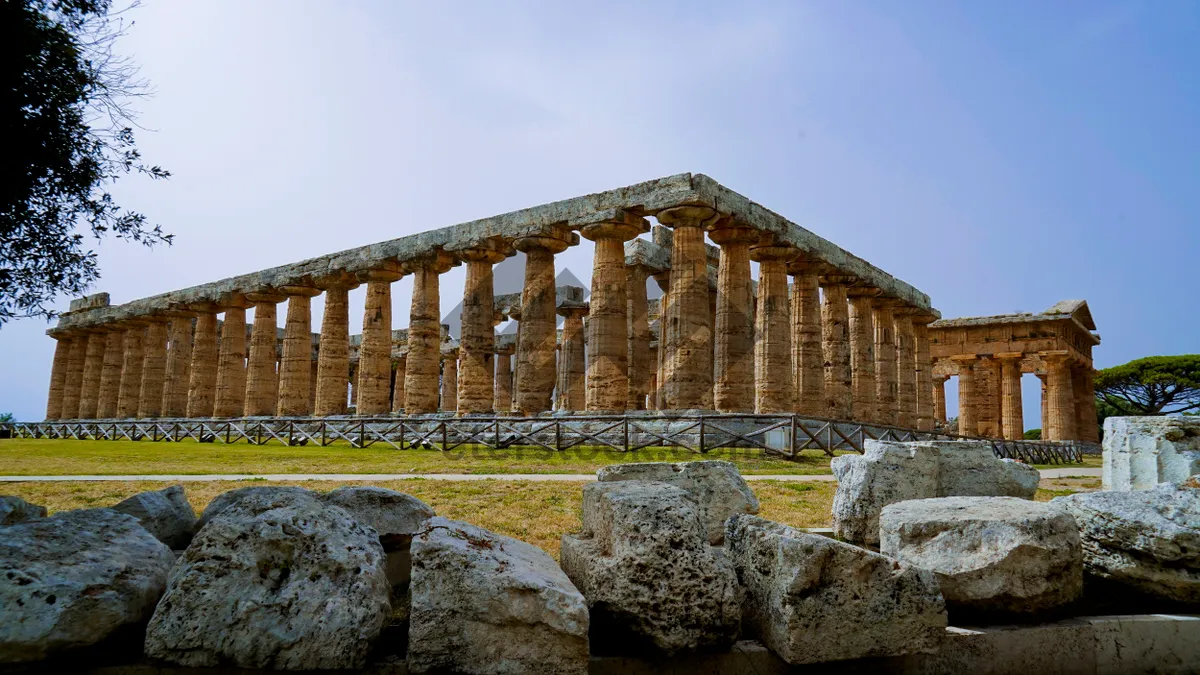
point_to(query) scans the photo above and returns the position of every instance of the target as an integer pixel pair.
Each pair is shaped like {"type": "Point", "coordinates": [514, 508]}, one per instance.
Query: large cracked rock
{"type": "Point", "coordinates": [394, 515]}
{"type": "Point", "coordinates": [165, 513]}
{"type": "Point", "coordinates": [715, 485]}
{"type": "Point", "coordinates": [1141, 452]}
{"type": "Point", "coordinates": [990, 554]}
{"type": "Point", "coordinates": [649, 575]}
{"type": "Point", "coordinates": [228, 499]}
{"type": "Point", "coordinates": [15, 510]}
{"type": "Point", "coordinates": [812, 599]}
{"type": "Point", "coordinates": [889, 472]}
{"type": "Point", "coordinates": [72, 580]}
{"type": "Point", "coordinates": [1148, 540]}
{"type": "Point", "coordinates": [484, 603]}
{"type": "Point", "coordinates": [276, 580]}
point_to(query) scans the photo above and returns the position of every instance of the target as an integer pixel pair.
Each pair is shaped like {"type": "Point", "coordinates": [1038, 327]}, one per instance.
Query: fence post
{"type": "Point", "coordinates": [702, 434]}
{"type": "Point", "coordinates": [792, 437]}
{"type": "Point", "coordinates": [445, 436]}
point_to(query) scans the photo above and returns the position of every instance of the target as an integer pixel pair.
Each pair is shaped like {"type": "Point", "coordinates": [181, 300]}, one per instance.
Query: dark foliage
{"type": "Point", "coordinates": [1155, 385]}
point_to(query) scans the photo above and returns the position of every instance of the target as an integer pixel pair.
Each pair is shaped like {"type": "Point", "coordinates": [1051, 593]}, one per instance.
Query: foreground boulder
{"type": "Point", "coordinates": [716, 486]}
{"type": "Point", "coordinates": [165, 513]}
{"type": "Point", "coordinates": [889, 472]}
{"type": "Point", "coordinates": [15, 510]}
{"type": "Point", "coordinates": [811, 599]}
{"type": "Point", "coordinates": [228, 499]}
{"type": "Point", "coordinates": [1147, 540]}
{"type": "Point", "coordinates": [485, 603]}
{"type": "Point", "coordinates": [992, 554]}
{"type": "Point", "coordinates": [276, 580]}
{"type": "Point", "coordinates": [72, 580]}
{"type": "Point", "coordinates": [649, 575]}
{"type": "Point", "coordinates": [1141, 452]}
{"type": "Point", "coordinates": [394, 515]}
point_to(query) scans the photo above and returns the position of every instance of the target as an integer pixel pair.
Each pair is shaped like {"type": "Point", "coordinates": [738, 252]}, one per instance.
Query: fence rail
{"type": "Point", "coordinates": [783, 435]}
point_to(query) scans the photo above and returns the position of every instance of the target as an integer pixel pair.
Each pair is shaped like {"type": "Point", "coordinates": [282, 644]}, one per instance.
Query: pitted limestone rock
{"type": "Point", "coordinates": [15, 510]}
{"type": "Point", "coordinates": [72, 580]}
{"type": "Point", "coordinates": [716, 486]}
{"type": "Point", "coordinates": [644, 564]}
{"type": "Point", "coordinates": [1000, 554]}
{"type": "Point", "coordinates": [1148, 540]}
{"type": "Point", "coordinates": [1141, 452]}
{"type": "Point", "coordinates": [811, 599]}
{"type": "Point", "coordinates": [165, 513]}
{"type": "Point", "coordinates": [227, 499]}
{"type": "Point", "coordinates": [889, 472]}
{"type": "Point", "coordinates": [486, 603]}
{"type": "Point", "coordinates": [277, 580]}
{"type": "Point", "coordinates": [394, 515]}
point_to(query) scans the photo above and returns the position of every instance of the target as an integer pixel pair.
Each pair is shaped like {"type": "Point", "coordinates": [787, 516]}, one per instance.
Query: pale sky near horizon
{"type": "Point", "coordinates": [998, 156]}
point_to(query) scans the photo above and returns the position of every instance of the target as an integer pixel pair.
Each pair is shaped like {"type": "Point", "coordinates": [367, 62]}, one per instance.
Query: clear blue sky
{"type": "Point", "coordinates": [1000, 156]}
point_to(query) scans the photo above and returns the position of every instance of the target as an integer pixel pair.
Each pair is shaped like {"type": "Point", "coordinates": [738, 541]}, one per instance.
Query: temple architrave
{"type": "Point", "coordinates": [988, 355]}
{"type": "Point", "coordinates": [820, 332]}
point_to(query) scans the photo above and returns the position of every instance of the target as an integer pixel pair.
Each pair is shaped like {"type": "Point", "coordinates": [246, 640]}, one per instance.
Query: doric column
{"type": "Point", "coordinates": [1011, 414]}
{"type": "Point", "coordinates": [312, 383]}
{"type": "Point", "coordinates": [333, 356]}
{"type": "Point", "coordinates": [93, 365]}
{"type": "Point", "coordinates": [231, 360]}
{"type": "Point", "coordinates": [450, 381]}
{"type": "Point", "coordinates": [502, 393]}
{"type": "Point", "coordinates": [262, 383]}
{"type": "Point", "coordinates": [735, 363]}
{"type": "Point", "coordinates": [295, 368]}
{"type": "Point", "coordinates": [925, 405]}
{"type": "Point", "coordinates": [131, 371]}
{"type": "Point", "coordinates": [1061, 410]}
{"type": "Point", "coordinates": [939, 397]}
{"type": "Point", "coordinates": [58, 376]}
{"type": "Point", "coordinates": [687, 331]}
{"type": "Point", "coordinates": [1045, 408]}
{"type": "Point", "coordinates": [967, 424]}
{"type": "Point", "coordinates": [476, 386]}
{"type": "Point", "coordinates": [862, 354]}
{"type": "Point", "coordinates": [663, 280]}
{"type": "Point", "coordinates": [988, 397]}
{"type": "Point", "coordinates": [1083, 385]}
{"type": "Point", "coordinates": [179, 364]}
{"type": "Point", "coordinates": [652, 396]}
{"type": "Point", "coordinates": [572, 392]}
{"type": "Point", "coordinates": [835, 342]}
{"type": "Point", "coordinates": [110, 374]}
{"type": "Point", "coordinates": [375, 352]}
{"type": "Point", "coordinates": [906, 370]}
{"type": "Point", "coordinates": [608, 321]}
{"type": "Point", "coordinates": [154, 369]}
{"type": "Point", "coordinates": [202, 380]}
{"type": "Point", "coordinates": [775, 384]}
{"type": "Point", "coordinates": [887, 401]}
{"type": "Point", "coordinates": [640, 368]}
{"type": "Point", "coordinates": [808, 359]}
{"type": "Point", "coordinates": [398, 383]}
{"type": "Point", "coordinates": [424, 334]}
{"type": "Point", "coordinates": [354, 384]}
{"type": "Point", "coordinates": [537, 338]}
{"type": "Point", "coordinates": [73, 382]}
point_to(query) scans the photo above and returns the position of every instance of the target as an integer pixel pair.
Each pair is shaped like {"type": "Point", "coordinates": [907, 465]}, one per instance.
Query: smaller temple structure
{"type": "Point", "coordinates": [989, 354]}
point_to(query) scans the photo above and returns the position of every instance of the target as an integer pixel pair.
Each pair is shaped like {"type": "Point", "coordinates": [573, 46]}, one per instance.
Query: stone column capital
{"type": "Point", "coordinates": [388, 271]}
{"type": "Point", "coordinates": [266, 297]}
{"type": "Point", "coordinates": [836, 279]}
{"type": "Point", "coordinates": [493, 250]}
{"type": "Point", "coordinates": [1056, 357]}
{"type": "Point", "coordinates": [726, 232]}
{"type": "Point", "coordinates": [342, 279]}
{"type": "Point", "coordinates": [1009, 356]}
{"type": "Point", "coordinates": [864, 292]}
{"type": "Point", "coordinates": [688, 216]}
{"type": "Point", "coordinates": [941, 378]}
{"type": "Point", "coordinates": [617, 224]}
{"type": "Point", "coordinates": [773, 253]}
{"type": "Point", "coordinates": [572, 308]}
{"type": "Point", "coordinates": [968, 360]}
{"type": "Point", "coordinates": [304, 291]}
{"type": "Point", "coordinates": [233, 300]}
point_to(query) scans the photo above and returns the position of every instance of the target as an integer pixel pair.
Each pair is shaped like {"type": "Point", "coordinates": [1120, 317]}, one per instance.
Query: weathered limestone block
{"type": "Point", "coordinates": [1141, 452]}
{"type": "Point", "coordinates": [485, 603]}
{"type": "Point", "coordinates": [15, 510]}
{"type": "Point", "coordinates": [649, 575]}
{"type": "Point", "coordinates": [890, 472]}
{"type": "Point", "coordinates": [277, 580]}
{"type": "Point", "coordinates": [999, 554]}
{"type": "Point", "coordinates": [1148, 540]}
{"type": "Point", "coordinates": [394, 515]}
{"type": "Point", "coordinates": [812, 599]}
{"type": "Point", "coordinates": [227, 499]}
{"type": "Point", "coordinates": [71, 580]}
{"type": "Point", "coordinates": [716, 486]}
{"type": "Point", "coordinates": [165, 513]}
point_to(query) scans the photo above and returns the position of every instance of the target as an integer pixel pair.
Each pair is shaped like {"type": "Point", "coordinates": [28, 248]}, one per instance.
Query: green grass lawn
{"type": "Point", "coordinates": [55, 457]}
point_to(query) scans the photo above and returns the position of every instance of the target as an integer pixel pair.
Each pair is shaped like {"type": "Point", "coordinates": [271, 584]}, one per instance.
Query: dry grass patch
{"type": "Point", "coordinates": [538, 512]}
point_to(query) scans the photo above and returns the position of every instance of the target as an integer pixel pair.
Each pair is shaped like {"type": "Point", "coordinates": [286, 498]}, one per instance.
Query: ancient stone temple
{"type": "Point", "coordinates": [988, 355]}
{"type": "Point", "coordinates": [820, 332]}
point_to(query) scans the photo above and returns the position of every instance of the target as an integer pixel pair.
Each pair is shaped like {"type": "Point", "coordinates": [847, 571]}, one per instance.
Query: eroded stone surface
{"type": "Point", "coordinates": [812, 599]}
{"type": "Point", "coordinates": [71, 580]}
{"type": "Point", "coordinates": [716, 486]}
{"type": "Point", "coordinates": [989, 553]}
{"type": "Point", "coordinates": [15, 510]}
{"type": "Point", "coordinates": [485, 603]}
{"type": "Point", "coordinates": [1148, 540]}
{"type": "Point", "coordinates": [228, 499]}
{"type": "Point", "coordinates": [649, 575]}
{"type": "Point", "coordinates": [276, 580]}
{"type": "Point", "coordinates": [1141, 452]}
{"type": "Point", "coordinates": [394, 515]}
{"type": "Point", "coordinates": [165, 513]}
